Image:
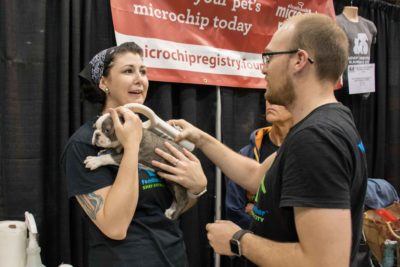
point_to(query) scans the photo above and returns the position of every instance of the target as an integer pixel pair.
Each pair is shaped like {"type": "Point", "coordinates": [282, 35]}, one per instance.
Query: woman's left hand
{"type": "Point", "coordinates": [185, 169]}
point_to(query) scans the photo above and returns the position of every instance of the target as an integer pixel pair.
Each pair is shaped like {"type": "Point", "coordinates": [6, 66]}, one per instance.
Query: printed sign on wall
{"type": "Point", "coordinates": [214, 42]}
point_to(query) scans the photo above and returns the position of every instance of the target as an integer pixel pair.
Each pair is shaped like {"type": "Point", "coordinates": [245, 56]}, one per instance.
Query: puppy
{"type": "Point", "coordinates": [104, 136]}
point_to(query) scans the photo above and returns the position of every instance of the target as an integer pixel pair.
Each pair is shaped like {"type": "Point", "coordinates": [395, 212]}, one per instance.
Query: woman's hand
{"type": "Point", "coordinates": [185, 169]}
{"type": "Point", "coordinates": [129, 132]}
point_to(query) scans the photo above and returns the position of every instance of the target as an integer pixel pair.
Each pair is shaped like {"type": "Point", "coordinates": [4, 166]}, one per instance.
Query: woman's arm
{"type": "Point", "coordinates": [113, 207]}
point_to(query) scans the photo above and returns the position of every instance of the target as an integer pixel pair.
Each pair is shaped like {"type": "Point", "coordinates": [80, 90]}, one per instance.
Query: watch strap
{"type": "Point", "coordinates": [239, 234]}
{"type": "Point", "coordinates": [235, 245]}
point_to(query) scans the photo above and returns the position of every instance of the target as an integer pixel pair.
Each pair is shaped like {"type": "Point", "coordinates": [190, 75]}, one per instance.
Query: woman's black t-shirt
{"type": "Point", "coordinates": [152, 239]}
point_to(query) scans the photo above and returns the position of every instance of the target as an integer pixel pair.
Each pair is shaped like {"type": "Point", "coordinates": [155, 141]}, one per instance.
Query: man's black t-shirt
{"type": "Point", "coordinates": [152, 239]}
{"type": "Point", "coordinates": [321, 164]}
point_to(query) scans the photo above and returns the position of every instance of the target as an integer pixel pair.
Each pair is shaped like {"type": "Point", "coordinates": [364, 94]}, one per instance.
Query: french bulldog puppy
{"type": "Point", "coordinates": [104, 136]}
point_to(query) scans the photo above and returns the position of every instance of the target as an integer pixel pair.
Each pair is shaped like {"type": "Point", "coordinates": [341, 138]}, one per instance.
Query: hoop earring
{"type": "Point", "coordinates": [107, 91]}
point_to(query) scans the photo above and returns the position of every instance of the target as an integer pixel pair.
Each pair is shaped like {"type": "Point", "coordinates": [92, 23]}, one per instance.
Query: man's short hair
{"type": "Point", "coordinates": [326, 42]}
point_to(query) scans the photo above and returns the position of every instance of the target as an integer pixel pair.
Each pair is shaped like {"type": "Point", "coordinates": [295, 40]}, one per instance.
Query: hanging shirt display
{"type": "Point", "coordinates": [361, 35]}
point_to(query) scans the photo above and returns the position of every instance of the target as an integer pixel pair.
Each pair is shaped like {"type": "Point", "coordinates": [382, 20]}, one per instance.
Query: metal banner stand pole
{"type": "Point", "coordinates": [218, 175]}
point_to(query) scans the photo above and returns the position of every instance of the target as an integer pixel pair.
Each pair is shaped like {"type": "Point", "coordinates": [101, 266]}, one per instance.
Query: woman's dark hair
{"type": "Point", "coordinates": [90, 88]}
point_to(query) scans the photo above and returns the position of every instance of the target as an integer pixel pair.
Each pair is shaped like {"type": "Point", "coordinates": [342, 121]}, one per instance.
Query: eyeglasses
{"type": "Point", "coordinates": [266, 56]}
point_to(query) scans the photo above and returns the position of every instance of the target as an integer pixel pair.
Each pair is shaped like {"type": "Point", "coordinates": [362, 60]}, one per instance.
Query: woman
{"type": "Point", "coordinates": [127, 222]}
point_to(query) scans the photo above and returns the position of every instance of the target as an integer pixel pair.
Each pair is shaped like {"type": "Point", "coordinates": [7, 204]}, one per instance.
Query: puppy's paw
{"type": "Point", "coordinates": [169, 213]}
{"type": "Point", "coordinates": [92, 163]}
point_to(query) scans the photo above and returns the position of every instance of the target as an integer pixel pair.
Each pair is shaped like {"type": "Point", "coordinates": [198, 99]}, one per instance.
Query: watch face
{"type": "Point", "coordinates": [235, 247]}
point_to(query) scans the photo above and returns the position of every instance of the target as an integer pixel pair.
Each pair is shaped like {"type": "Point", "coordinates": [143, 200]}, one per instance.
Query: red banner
{"type": "Point", "coordinates": [214, 42]}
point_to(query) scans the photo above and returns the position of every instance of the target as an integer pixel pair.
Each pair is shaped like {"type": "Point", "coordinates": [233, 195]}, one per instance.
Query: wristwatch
{"type": "Point", "coordinates": [235, 242]}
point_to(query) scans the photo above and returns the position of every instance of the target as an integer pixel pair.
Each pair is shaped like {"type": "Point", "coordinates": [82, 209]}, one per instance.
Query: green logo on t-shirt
{"type": "Point", "coordinates": [152, 182]}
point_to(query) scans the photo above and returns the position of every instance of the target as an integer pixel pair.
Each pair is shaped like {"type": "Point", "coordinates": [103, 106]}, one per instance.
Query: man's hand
{"type": "Point", "coordinates": [219, 234]}
{"type": "Point", "coordinates": [249, 208]}
{"type": "Point", "coordinates": [189, 132]}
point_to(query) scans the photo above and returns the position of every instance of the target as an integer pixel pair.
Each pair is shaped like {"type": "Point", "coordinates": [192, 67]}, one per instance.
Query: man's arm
{"type": "Point", "coordinates": [232, 164]}
{"type": "Point", "coordinates": [324, 240]}
{"type": "Point", "coordinates": [244, 171]}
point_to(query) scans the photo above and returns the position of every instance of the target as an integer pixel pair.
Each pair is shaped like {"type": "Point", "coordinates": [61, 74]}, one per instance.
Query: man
{"type": "Point", "coordinates": [309, 207]}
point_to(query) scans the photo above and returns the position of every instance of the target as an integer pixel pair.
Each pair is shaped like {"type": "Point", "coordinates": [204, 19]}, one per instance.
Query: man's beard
{"type": "Point", "coordinates": [283, 95]}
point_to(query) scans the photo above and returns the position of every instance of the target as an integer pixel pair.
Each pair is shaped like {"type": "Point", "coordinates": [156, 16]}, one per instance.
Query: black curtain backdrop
{"type": "Point", "coordinates": [44, 44]}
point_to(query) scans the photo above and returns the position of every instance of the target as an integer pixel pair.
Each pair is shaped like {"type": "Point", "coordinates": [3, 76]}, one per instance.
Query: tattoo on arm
{"type": "Point", "coordinates": [91, 203]}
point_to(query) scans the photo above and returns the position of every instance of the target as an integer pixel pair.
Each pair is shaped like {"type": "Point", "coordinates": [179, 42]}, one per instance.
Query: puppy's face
{"type": "Point", "coordinates": [104, 133]}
